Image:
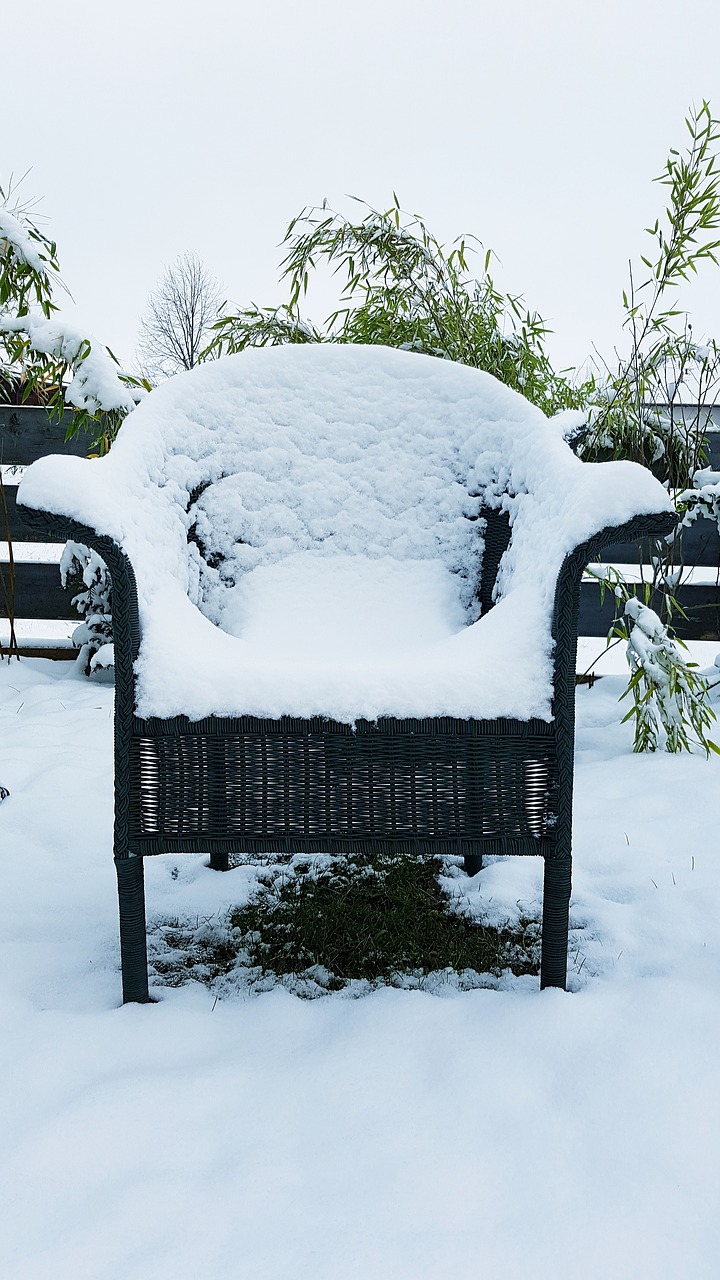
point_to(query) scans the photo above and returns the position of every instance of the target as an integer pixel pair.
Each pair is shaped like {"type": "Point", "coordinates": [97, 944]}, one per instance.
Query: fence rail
{"type": "Point", "coordinates": [700, 601]}
{"type": "Point", "coordinates": [29, 433]}
{"type": "Point", "coordinates": [26, 434]}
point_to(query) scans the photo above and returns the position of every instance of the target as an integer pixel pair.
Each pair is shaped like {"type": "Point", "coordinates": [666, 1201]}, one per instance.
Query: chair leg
{"type": "Point", "coordinates": [556, 903]}
{"type": "Point", "coordinates": [220, 860]}
{"type": "Point", "coordinates": [472, 863]}
{"type": "Point", "coordinates": [133, 940]}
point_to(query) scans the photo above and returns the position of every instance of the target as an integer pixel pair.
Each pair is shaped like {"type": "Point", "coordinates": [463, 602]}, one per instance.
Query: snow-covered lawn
{"type": "Point", "coordinates": [491, 1133]}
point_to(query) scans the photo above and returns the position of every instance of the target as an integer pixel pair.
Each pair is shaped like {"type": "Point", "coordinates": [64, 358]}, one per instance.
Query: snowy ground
{"type": "Point", "coordinates": [501, 1133]}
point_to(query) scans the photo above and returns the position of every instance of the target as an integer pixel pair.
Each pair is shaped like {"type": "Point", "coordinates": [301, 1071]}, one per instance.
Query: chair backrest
{"type": "Point", "coordinates": [340, 449]}
{"type": "Point", "coordinates": [330, 448]}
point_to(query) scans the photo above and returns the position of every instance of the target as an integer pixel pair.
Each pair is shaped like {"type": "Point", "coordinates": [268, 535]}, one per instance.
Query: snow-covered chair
{"type": "Point", "coordinates": [345, 594]}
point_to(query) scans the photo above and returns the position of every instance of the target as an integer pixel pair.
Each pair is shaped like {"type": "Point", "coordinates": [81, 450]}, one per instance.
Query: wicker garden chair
{"type": "Point", "coordinates": [278, 459]}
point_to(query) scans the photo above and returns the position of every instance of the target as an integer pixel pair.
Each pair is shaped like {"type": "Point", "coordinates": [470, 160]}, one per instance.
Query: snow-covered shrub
{"type": "Point", "coordinates": [28, 272]}
{"type": "Point", "coordinates": [403, 288]}
{"type": "Point", "coordinates": [640, 410]}
{"type": "Point", "coordinates": [670, 707]}
{"type": "Point", "coordinates": [703, 499]}
{"type": "Point", "coordinates": [91, 380]}
{"type": "Point", "coordinates": [48, 361]}
{"type": "Point", "coordinates": [94, 635]}
{"type": "Point", "coordinates": [43, 358]}
{"type": "Point", "coordinates": [637, 410]}
{"type": "Point", "coordinates": [669, 697]}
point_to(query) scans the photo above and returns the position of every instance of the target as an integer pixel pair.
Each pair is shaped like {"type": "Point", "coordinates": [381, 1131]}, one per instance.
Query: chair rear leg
{"type": "Point", "coordinates": [133, 939]}
{"type": "Point", "coordinates": [556, 904]}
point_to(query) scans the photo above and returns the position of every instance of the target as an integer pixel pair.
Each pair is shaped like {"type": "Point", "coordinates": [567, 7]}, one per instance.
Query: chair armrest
{"type": "Point", "coordinates": [567, 597]}
{"type": "Point", "coordinates": [126, 622]}
{"type": "Point", "coordinates": [565, 635]}
{"type": "Point", "coordinates": [567, 590]}
{"type": "Point", "coordinates": [567, 503]}
{"type": "Point", "coordinates": [116, 507]}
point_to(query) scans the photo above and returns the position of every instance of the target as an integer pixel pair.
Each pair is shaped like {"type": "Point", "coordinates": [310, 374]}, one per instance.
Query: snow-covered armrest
{"type": "Point", "coordinates": [564, 504]}
{"type": "Point", "coordinates": [116, 497]}
{"type": "Point", "coordinates": [126, 620]}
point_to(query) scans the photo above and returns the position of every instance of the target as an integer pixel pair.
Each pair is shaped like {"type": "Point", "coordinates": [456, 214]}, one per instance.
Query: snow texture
{"type": "Point", "coordinates": [15, 239]}
{"type": "Point", "coordinates": [406, 1135]}
{"type": "Point", "coordinates": [704, 498]}
{"type": "Point", "coordinates": [95, 384]}
{"type": "Point", "coordinates": [241, 489]}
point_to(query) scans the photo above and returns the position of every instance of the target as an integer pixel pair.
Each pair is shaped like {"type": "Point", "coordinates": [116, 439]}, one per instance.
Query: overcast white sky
{"type": "Point", "coordinates": [156, 126]}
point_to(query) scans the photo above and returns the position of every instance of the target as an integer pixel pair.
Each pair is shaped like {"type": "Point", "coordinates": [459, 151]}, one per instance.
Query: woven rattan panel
{"type": "Point", "coordinates": [271, 781]}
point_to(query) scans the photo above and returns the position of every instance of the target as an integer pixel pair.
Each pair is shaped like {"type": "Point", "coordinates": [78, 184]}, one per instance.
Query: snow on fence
{"type": "Point", "coordinates": [45, 618]}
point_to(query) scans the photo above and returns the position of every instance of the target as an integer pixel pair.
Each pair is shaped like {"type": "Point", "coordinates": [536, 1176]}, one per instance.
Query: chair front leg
{"type": "Point", "coordinates": [133, 940]}
{"type": "Point", "coordinates": [556, 906]}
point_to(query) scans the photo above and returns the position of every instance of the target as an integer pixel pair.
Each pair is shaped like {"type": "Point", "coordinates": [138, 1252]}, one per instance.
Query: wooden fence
{"type": "Point", "coordinates": [699, 597]}
{"type": "Point", "coordinates": [36, 594]}
{"type": "Point", "coordinates": [29, 433]}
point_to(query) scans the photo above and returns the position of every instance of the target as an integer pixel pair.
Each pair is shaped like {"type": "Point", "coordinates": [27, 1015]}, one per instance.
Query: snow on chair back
{"type": "Point", "coordinates": [333, 448]}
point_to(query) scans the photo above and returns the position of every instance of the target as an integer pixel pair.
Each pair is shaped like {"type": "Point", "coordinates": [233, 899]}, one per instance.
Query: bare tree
{"type": "Point", "coordinates": [176, 324]}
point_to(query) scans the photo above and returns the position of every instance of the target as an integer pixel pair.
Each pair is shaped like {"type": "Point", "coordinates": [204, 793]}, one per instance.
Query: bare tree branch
{"type": "Point", "coordinates": [176, 324]}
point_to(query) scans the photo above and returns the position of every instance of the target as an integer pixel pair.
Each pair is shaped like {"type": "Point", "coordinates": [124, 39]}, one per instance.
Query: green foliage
{"type": "Point", "coordinates": [637, 412]}
{"type": "Point", "coordinates": [43, 361]}
{"type": "Point", "coordinates": [40, 357]}
{"type": "Point", "coordinates": [254, 326]}
{"type": "Point", "coordinates": [626, 418]}
{"type": "Point", "coordinates": [401, 288]}
{"type": "Point", "coordinates": [29, 272]}
{"type": "Point", "coordinates": [670, 707]}
{"type": "Point", "coordinates": [25, 278]}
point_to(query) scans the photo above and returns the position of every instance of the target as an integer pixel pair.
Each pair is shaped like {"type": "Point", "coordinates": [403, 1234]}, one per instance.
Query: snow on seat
{"type": "Point", "coordinates": [344, 454]}
{"type": "Point", "coordinates": [347, 637]}
{"type": "Point", "coordinates": [345, 595]}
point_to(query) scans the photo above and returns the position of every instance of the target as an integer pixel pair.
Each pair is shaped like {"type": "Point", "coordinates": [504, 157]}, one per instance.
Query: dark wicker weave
{"type": "Point", "coordinates": [435, 786]}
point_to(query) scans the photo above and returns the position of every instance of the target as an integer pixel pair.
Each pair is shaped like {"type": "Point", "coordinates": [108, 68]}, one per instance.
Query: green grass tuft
{"type": "Point", "coordinates": [373, 918]}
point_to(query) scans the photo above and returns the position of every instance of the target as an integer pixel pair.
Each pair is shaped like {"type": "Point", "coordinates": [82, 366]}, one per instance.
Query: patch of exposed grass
{"type": "Point", "coordinates": [368, 919]}
{"type": "Point", "coordinates": [372, 918]}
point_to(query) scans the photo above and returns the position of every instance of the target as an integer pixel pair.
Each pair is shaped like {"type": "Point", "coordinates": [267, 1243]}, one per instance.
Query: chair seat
{"type": "Point", "coordinates": [348, 638]}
